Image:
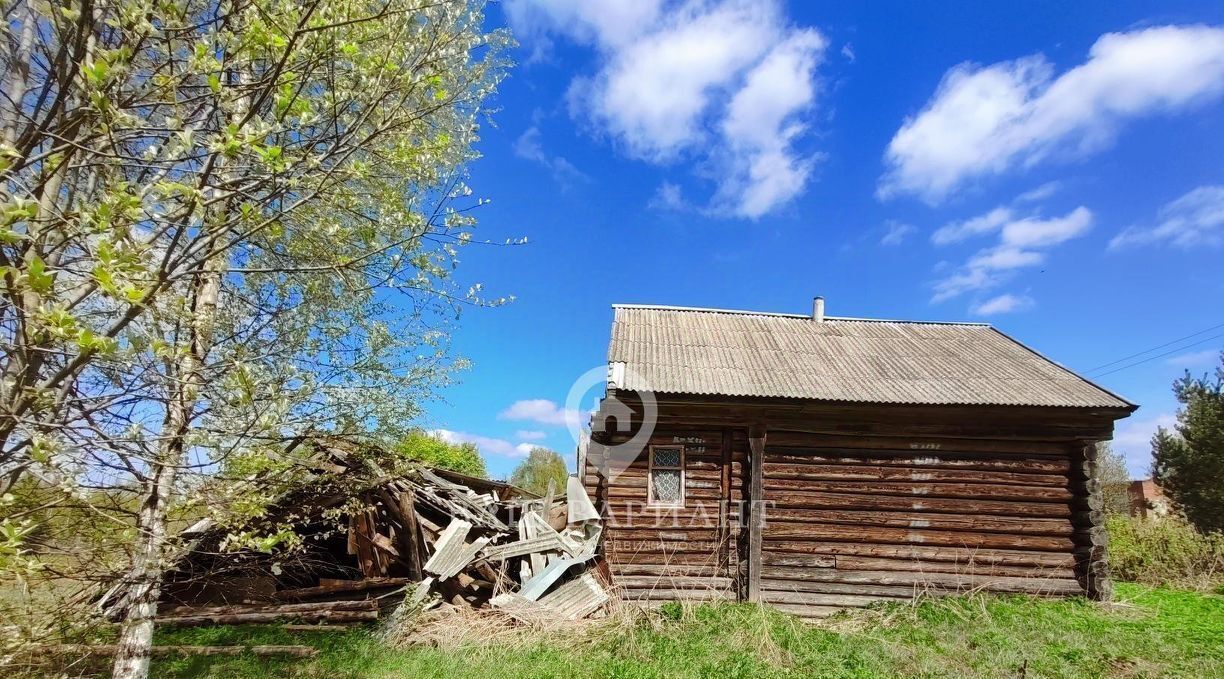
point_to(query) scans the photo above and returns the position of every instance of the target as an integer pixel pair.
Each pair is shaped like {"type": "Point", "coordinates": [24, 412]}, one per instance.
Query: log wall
{"type": "Point", "coordinates": [854, 520]}
{"type": "Point", "coordinates": [861, 502]}
{"type": "Point", "coordinates": [660, 553]}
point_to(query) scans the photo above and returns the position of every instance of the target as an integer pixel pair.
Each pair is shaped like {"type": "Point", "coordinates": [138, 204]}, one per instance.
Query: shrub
{"type": "Point", "coordinates": [435, 452]}
{"type": "Point", "coordinates": [1166, 551]}
{"type": "Point", "coordinates": [541, 466]}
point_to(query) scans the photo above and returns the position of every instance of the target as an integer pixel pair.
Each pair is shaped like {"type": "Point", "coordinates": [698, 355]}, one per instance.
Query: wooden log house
{"type": "Point", "coordinates": [815, 463]}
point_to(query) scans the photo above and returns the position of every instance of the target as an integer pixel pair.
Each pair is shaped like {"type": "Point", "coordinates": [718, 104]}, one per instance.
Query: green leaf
{"type": "Point", "coordinates": [40, 281]}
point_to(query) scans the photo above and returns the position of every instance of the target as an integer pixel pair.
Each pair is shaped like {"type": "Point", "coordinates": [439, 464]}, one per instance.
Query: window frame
{"type": "Point", "coordinates": [650, 496]}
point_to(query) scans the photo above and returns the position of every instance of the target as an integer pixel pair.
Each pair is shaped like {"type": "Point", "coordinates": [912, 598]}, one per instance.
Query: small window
{"type": "Point", "coordinates": [667, 476]}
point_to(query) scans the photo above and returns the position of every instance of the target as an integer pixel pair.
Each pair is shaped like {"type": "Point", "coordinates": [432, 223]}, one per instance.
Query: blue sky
{"type": "Point", "coordinates": [1056, 169]}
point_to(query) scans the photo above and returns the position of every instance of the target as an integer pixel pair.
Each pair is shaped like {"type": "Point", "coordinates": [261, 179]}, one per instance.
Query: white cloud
{"type": "Point", "coordinates": [1019, 245]}
{"type": "Point", "coordinates": [1003, 304]}
{"type": "Point", "coordinates": [958, 231]}
{"type": "Point", "coordinates": [1040, 193]}
{"type": "Point", "coordinates": [1194, 359]}
{"type": "Point", "coordinates": [1133, 438]}
{"type": "Point", "coordinates": [986, 120]}
{"type": "Point", "coordinates": [604, 22]}
{"type": "Point", "coordinates": [528, 146]}
{"type": "Point", "coordinates": [669, 196]}
{"type": "Point", "coordinates": [1003, 258]}
{"type": "Point", "coordinates": [1196, 218]}
{"type": "Point", "coordinates": [726, 80]}
{"type": "Point", "coordinates": [1040, 233]}
{"type": "Point", "coordinates": [486, 445]}
{"type": "Point", "coordinates": [896, 233]}
{"type": "Point", "coordinates": [530, 435]}
{"type": "Point", "coordinates": [761, 124]}
{"type": "Point", "coordinates": [540, 410]}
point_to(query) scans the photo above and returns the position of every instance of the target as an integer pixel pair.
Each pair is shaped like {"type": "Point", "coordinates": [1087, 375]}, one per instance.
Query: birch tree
{"type": "Point", "coordinates": [225, 224]}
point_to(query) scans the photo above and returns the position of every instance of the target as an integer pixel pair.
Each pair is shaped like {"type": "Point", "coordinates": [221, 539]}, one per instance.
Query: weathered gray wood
{"type": "Point", "coordinates": [862, 498]}
{"type": "Point", "coordinates": [724, 509]}
{"type": "Point", "coordinates": [927, 520]}
{"type": "Point", "coordinates": [303, 593]}
{"type": "Point", "coordinates": [868, 533]}
{"type": "Point", "coordinates": [776, 575]}
{"type": "Point", "coordinates": [821, 587]}
{"type": "Point", "coordinates": [112, 649]}
{"type": "Point", "coordinates": [914, 552]}
{"type": "Point", "coordinates": [1092, 541]}
{"type": "Point", "coordinates": [676, 595]}
{"type": "Point", "coordinates": [256, 618]}
{"type": "Point", "coordinates": [643, 582]}
{"type": "Point", "coordinates": [756, 512]}
{"type": "Point", "coordinates": [816, 599]}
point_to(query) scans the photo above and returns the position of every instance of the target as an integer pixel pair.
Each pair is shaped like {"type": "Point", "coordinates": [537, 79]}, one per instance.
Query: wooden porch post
{"type": "Point", "coordinates": [756, 510]}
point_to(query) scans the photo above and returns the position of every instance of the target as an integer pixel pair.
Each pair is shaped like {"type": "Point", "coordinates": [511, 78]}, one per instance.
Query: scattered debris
{"type": "Point", "coordinates": [431, 537]}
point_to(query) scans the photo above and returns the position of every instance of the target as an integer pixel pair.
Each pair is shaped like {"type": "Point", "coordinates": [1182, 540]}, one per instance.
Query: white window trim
{"type": "Point", "coordinates": [650, 498]}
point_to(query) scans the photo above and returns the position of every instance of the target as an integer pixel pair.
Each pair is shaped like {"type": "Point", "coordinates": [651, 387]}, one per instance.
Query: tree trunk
{"type": "Point", "coordinates": [136, 638]}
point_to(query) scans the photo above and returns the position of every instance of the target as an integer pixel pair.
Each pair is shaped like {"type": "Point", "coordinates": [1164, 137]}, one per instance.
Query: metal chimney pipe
{"type": "Point", "coordinates": [818, 309]}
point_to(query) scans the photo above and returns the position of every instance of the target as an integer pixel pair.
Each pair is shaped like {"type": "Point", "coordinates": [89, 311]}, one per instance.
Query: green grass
{"type": "Point", "coordinates": [1154, 633]}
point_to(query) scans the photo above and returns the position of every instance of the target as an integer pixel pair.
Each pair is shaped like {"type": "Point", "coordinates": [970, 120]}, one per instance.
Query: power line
{"type": "Point", "coordinates": [1152, 358]}
{"type": "Point", "coordinates": [1180, 339]}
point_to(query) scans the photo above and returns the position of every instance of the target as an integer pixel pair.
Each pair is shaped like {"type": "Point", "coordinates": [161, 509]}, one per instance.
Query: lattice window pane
{"type": "Point", "coordinates": [667, 457]}
{"type": "Point", "coordinates": [666, 485]}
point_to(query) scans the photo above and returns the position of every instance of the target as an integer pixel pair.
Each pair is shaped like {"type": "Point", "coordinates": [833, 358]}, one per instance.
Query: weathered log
{"type": "Point", "coordinates": [341, 587]}
{"type": "Point", "coordinates": [357, 605]}
{"type": "Point", "coordinates": [817, 599]}
{"type": "Point", "coordinates": [953, 567]}
{"type": "Point", "coordinates": [956, 555]}
{"type": "Point", "coordinates": [666, 535]}
{"type": "Point", "coordinates": [1059, 465]}
{"type": "Point", "coordinates": [907, 445]}
{"type": "Point", "coordinates": [803, 577]}
{"type": "Point", "coordinates": [1092, 541]}
{"type": "Point", "coordinates": [950, 490]}
{"type": "Point", "coordinates": [933, 521]}
{"type": "Point", "coordinates": [865, 500]}
{"type": "Point", "coordinates": [648, 582]}
{"type": "Point", "coordinates": [620, 570]}
{"type": "Point", "coordinates": [266, 617]}
{"type": "Point", "coordinates": [676, 595]}
{"type": "Point", "coordinates": [923, 473]}
{"type": "Point", "coordinates": [707, 556]}
{"type": "Point", "coordinates": [873, 534]}
{"type": "Point", "coordinates": [260, 650]}
{"type": "Point", "coordinates": [769, 584]}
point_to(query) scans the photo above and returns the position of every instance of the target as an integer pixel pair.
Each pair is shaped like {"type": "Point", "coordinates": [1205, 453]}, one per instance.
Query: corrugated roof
{"type": "Point", "coordinates": [741, 353]}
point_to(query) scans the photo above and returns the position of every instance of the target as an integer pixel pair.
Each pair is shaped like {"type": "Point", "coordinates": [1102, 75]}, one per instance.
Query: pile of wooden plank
{"type": "Point", "coordinates": [532, 564]}
{"type": "Point", "coordinates": [428, 536]}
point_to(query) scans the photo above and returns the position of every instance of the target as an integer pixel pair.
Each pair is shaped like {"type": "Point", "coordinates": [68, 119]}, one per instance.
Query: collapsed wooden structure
{"type": "Point", "coordinates": [815, 463]}
{"type": "Point", "coordinates": [430, 535]}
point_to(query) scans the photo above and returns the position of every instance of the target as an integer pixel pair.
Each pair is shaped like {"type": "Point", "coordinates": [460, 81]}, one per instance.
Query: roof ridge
{"type": "Point", "coordinates": [746, 312]}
